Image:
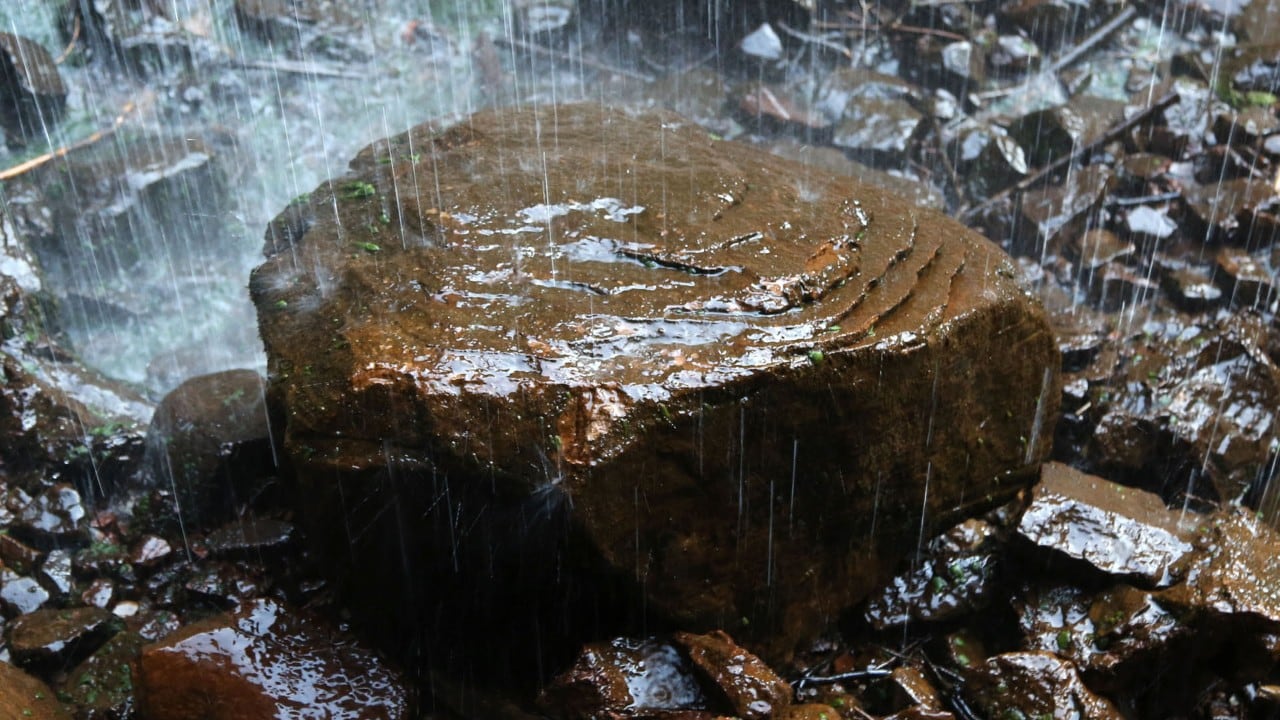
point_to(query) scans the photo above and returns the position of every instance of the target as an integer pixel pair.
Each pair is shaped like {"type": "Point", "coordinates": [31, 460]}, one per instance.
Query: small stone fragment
{"type": "Point", "coordinates": [1119, 530]}
{"type": "Point", "coordinates": [264, 662]}
{"type": "Point", "coordinates": [1235, 571]}
{"type": "Point", "coordinates": [762, 43]}
{"type": "Point", "coordinates": [1050, 214]}
{"type": "Point", "coordinates": [622, 677]}
{"type": "Point", "coordinates": [1097, 247]}
{"type": "Point", "coordinates": [1145, 220]}
{"type": "Point", "coordinates": [56, 571]}
{"type": "Point", "coordinates": [208, 437]}
{"type": "Point", "coordinates": [20, 594]}
{"type": "Point", "coordinates": [54, 517]}
{"type": "Point", "coordinates": [1033, 685]}
{"type": "Point", "coordinates": [956, 577]}
{"type": "Point", "coordinates": [1190, 289]}
{"type": "Point", "coordinates": [99, 594]}
{"type": "Point", "coordinates": [878, 126]}
{"type": "Point", "coordinates": [1247, 281]}
{"type": "Point", "coordinates": [752, 689]}
{"type": "Point", "coordinates": [307, 27]}
{"type": "Point", "coordinates": [17, 555]}
{"type": "Point", "coordinates": [150, 551]}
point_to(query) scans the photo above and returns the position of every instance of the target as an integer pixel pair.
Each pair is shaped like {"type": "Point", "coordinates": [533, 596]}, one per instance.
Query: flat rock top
{"type": "Point", "coordinates": [589, 246]}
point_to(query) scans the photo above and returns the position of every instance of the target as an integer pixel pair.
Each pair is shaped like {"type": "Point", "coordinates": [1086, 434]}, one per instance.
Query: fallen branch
{"type": "Point", "coordinates": [63, 151]}
{"type": "Point", "coordinates": [566, 57]}
{"type": "Point", "coordinates": [298, 68]}
{"type": "Point", "coordinates": [967, 214]}
{"type": "Point", "coordinates": [71, 44]}
{"type": "Point", "coordinates": [1068, 58]}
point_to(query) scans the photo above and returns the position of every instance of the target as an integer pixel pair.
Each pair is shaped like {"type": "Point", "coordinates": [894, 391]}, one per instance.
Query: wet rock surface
{"type": "Point", "coordinates": [261, 661]}
{"type": "Point", "coordinates": [209, 440]}
{"type": "Point", "coordinates": [23, 697]}
{"type": "Point", "coordinates": [1159, 281]}
{"type": "Point", "coordinates": [34, 98]}
{"type": "Point", "coordinates": [687, 352]}
{"type": "Point", "coordinates": [1120, 531]}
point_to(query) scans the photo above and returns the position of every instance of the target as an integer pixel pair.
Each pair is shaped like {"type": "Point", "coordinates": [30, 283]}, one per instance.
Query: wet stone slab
{"type": "Point", "coordinates": [1117, 529]}
{"type": "Point", "coordinates": [580, 340]}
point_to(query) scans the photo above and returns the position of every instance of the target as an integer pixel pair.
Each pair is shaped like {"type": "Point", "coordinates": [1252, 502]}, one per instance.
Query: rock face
{"type": "Point", "coordinates": [34, 96]}
{"type": "Point", "coordinates": [548, 342]}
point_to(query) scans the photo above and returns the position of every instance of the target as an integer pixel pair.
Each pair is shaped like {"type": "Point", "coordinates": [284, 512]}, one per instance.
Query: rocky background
{"type": "Point", "coordinates": [1125, 155]}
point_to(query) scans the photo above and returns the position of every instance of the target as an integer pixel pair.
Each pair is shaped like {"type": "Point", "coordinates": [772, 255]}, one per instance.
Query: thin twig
{"type": "Point", "coordinates": [817, 40]}
{"type": "Point", "coordinates": [968, 214]}
{"type": "Point", "coordinates": [71, 44]}
{"type": "Point", "coordinates": [299, 68]}
{"type": "Point", "coordinates": [869, 673]}
{"type": "Point", "coordinates": [1143, 200]}
{"type": "Point", "coordinates": [566, 57]}
{"type": "Point", "coordinates": [1103, 31]}
{"type": "Point", "coordinates": [1067, 59]}
{"type": "Point", "coordinates": [63, 151]}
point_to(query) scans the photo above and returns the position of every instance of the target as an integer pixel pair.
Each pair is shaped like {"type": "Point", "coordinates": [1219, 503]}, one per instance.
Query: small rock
{"type": "Point", "coordinates": [1050, 214]}
{"type": "Point", "coordinates": [17, 555]}
{"type": "Point", "coordinates": [1190, 289]}
{"type": "Point", "coordinates": [150, 551]}
{"type": "Point", "coordinates": [1246, 279]}
{"type": "Point", "coordinates": [779, 106]}
{"type": "Point", "coordinates": [23, 697]}
{"type": "Point", "coordinates": [99, 594]}
{"type": "Point", "coordinates": [58, 638]}
{"type": "Point", "coordinates": [1097, 247]}
{"type": "Point", "coordinates": [1115, 286]}
{"type": "Point", "coordinates": [1013, 54]}
{"type": "Point", "coordinates": [20, 594]}
{"type": "Point", "coordinates": [208, 430]}
{"type": "Point", "coordinates": [1112, 633]}
{"type": "Point", "coordinates": [54, 517]}
{"type": "Point", "coordinates": [753, 690]}
{"type": "Point", "coordinates": [1145, 220]}
{"type": "Point", "coordinates": [763, 43]}
{"type": "Point", "coordinates": [1033, 685]}
{"type": "Point", "coordinates": [878, 126]}
{"type": "Point", "coordinates": [1117, 529]}
{"type": "Point", "coordinates": [622, 677]}
{"type": "Point", "coordinates": [843, 89]}
{"type": "Point", "coordinates": [1233, 577]}
{"type": "Point", "coordinates": [1228, 210]}
{"type": "Point", "coordinates": [56, 572]}
{"type": "Point", "coordinates": [955, 578]}
{"type": "Point", "coordinates": [264, 662]}
{"type": "Point", "coordinates": [1056, 132]}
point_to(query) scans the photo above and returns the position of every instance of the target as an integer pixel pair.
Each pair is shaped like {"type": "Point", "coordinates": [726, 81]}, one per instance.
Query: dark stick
{"type": "Point", "coordinates": [1026, 183]}
{"type": "Point", "coordinates": [566, 57]}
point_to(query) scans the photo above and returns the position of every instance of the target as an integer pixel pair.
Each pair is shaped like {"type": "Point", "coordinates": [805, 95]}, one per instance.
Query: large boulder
{"type": "Point", "coordinates": [574, 354]}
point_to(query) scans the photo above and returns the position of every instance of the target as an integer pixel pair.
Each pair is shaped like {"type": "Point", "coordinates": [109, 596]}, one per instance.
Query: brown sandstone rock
{"type": "Point", "coordinates": [265, 662]}
{"type": "Point", "coordinates": [551, 344]}
{"type": "Point", "coordinates": [23, 697]}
